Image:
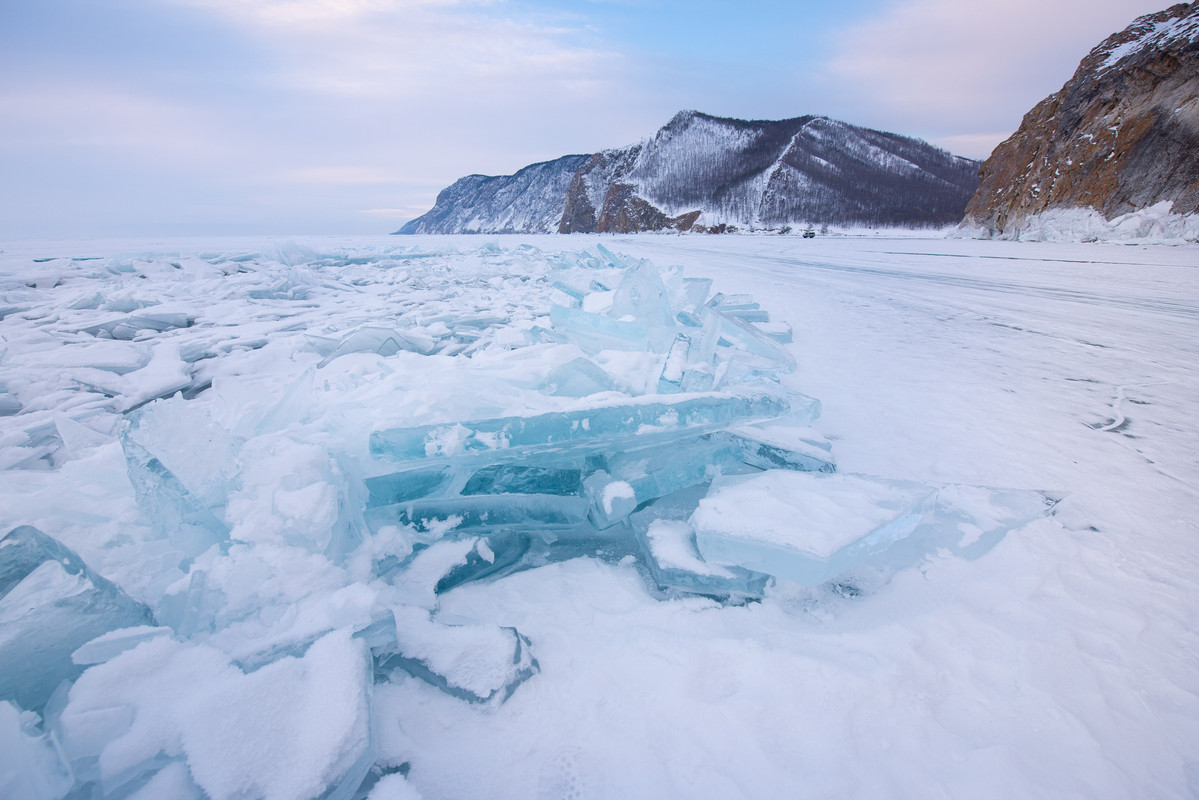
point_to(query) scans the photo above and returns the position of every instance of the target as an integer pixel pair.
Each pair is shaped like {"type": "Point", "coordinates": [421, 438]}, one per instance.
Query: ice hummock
{"type": "Point", "coordinates": [51, 603]}
{"type": "Point", "coordinates": [339, 449]}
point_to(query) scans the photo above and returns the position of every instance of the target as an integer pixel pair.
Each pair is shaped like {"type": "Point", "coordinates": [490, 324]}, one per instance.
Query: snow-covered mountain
{"type": "Point", "coordinates": [705, 173]}
{"type": "Point", "coordinates": [528, 202]}
{"type": "Point", "coordinates": [1121, 136]}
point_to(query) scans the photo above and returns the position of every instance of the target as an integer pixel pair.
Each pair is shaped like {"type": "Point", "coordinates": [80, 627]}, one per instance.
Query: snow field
{"type": "Point", "coordinates": [1056, 662]}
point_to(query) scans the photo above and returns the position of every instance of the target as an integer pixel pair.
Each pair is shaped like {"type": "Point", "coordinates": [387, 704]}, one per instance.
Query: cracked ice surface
{"type": "Point", "coordinates": [522, 521]}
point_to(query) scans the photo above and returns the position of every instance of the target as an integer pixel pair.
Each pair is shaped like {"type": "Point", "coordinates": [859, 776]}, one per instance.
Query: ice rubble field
{"type": "Point", "coordinates": [598, 517]}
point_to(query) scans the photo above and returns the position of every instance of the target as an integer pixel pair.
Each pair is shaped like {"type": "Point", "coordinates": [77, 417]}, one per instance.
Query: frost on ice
{"type": "Point", "coordinates": [318, 447]}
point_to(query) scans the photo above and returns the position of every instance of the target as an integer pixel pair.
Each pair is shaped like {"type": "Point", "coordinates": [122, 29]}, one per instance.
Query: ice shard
{"type": "Point", "coordinates": [594, 429]}
{"type": "Point", "coordinates": [641, 296]}
{"type": "Point", "coordinates": [806, 527]}
{"type": "Point", "coordinates": [579, 377]}
{"type": "Point", "coordinates": [51, 603]}
{"type": "Point", "coordinates": [477, 662]}
{"type": "Point", "coordinates": [596, 332]}
{"type": "Point", "coordinates": [172, 510]}
{"type": "Point", "coordinates": [634, 477]}
{"type": "Point", "coordinates": [433, 518]}
{"type": "Point", "coordinates": [780, 447]}
{"type": "Point", "coordinates": [32, 766]}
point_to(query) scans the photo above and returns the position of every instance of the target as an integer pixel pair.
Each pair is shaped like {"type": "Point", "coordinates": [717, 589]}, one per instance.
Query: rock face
{"type": "Point", "coordinates": [704, 173]}
{"type": "Point", "coordinates": [528, 202]}
{"type": "Point", "coordinates": [1120, 136]}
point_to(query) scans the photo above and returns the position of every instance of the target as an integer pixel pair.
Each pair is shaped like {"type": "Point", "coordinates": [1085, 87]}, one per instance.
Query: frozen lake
{"type": "Point", "coordinates": [1059, 662]}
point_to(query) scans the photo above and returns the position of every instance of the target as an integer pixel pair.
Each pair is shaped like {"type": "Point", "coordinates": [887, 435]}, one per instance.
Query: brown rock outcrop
{"type": "Point", "coordinates": [1121, 135]}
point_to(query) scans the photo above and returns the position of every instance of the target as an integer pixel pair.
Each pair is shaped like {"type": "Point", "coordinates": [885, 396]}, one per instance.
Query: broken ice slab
{"type": "Point", "coordinates": [666, 544]}
{"type": "Point", "coordinates": [519, 479]}
{"type": "Point", "coordinates": [741, 306]}
{"type": "Point", "coordinates": [676, 567]}
{"type": "Point", "coordinates": [111, 356]}
{"type": "Point", "coordinates": [803, 526]}
{"type": "Point", "coordinates": [413, 484]}
{"type": "Point", "coordinates": [171, 509]}
{"type": "Point", "coordinates": [596, 332]}
{"type": "Point", "coordinates": [641, 296]}
{"type": "Point", "coordinates": [51, 603]}
{"type": "Point", "coordinates": [492, 556]}
{"type": "Point", "coordinates": [163, 694]}
{"type": "Point", "coordinates": [671, 379]}
{"type": "Point", "coordinates": [32, 766]}
{"type": "Point", "coordinates": [9, 404]}
{"type": "Point", "coordinates": [635, 477]}
{"type": "Point", "coordinates": [575, 295]}
{"type": "Point", "coordinates": [781, 447]}
{"type": "Point", "coordinates": [380, 340]}
{"type": "Point", "coordinates": [752, 354]}
{"type": "Point", "coordinates": [580, 377]}
{"type": "Point", "coordinates": [435, 518]}
{"type": "Point", "coordinates": [970, 520]}
{"type": "Point", "coordinates": [779, 331]}
{"type": "Point", "coordinates": [643, 422]}
{"type": "Point", "coordinates": [477, 662]}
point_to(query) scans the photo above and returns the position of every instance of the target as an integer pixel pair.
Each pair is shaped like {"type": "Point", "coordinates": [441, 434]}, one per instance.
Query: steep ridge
{"type": "Point", "coordinates": [705, 173]}
{"type": "Point", "coordinates": [529, 201]}
{"type": "Point", "coordinates": [1120, 136]}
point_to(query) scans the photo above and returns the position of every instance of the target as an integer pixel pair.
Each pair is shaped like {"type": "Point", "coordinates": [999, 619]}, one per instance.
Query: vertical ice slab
{"type": "Point", "coordinates": [51, 603]}
{"type": "Point", "coordinates": [596, 332]}
{"type": "Point", "coordinates": [806, 527]}
{"type": "Point", "coordinates": [172, 510]}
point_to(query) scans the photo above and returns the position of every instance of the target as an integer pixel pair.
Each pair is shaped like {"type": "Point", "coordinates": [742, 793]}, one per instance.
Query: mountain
{"type": "Point", "coordinates": [1120, 136]}
{"type": "Point", "coordinates": [704, 173]}
{"type": "Point", "coordinates": [528, 202]}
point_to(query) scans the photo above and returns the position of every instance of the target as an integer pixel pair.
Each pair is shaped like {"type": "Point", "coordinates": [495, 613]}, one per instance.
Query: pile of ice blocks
{"type": "Point", "coordinates": [319, 447]}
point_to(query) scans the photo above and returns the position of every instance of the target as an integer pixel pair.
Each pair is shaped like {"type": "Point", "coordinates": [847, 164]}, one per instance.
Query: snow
{"type": "Point", "coordinates": [1156, 224]}
{"type": "Point", "coordinates": [1054, 658]}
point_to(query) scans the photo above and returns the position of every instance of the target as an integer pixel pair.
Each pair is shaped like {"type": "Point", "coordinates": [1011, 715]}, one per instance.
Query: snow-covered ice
{"type": "Point", "coordinates": [563, 516]}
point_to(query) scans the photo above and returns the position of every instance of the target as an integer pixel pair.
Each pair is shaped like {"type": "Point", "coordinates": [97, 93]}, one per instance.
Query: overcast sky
{"type": "Point", "coordinates": [149, 117]}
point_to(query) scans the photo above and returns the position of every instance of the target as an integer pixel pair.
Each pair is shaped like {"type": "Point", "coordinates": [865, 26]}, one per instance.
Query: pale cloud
{"type": "Point", "coordinates": [958, 71]}
{"type": "Point", "coordinates": [398, 49]}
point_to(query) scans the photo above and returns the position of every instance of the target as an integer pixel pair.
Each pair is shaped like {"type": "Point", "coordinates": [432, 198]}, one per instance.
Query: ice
{"type": "Point", "coordinates": [580, 377]}
{"type": "Point", "coordinates": [595, 332]}
{"type": "Point", "coordinates": [634, 477]}
{"type": "Point", "coordinates": [585, 430]}
{"type": "Point", "coordinates": [9, 404]}
{"type": "Point", "coordinates": [641, 296]}
{"type": "Point", "coordinates": [433, 518]}
{"type": "Point", "coordinates": [51, 603]}
{"type": "Point", "coordinates": [471, 661]}
{"type": "Point", "coordinates": [781, 447]}
{"type": "Point", "coordinates": [806, 527]}
{"type": "Point", "coordinates": [811, 527]}
{"type": "Point", "coordinates": [173, 511]}
{"type": "Point", "coordinates": [32, 766]}
{"type": "Point", "coordinates": [396, 487]}
{"type": "Point", "coordinates": [295, 728]}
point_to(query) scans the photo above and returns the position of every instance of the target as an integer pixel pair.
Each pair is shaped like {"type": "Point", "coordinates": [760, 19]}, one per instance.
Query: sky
{"type": "Point", "coordinates": [290, 117]}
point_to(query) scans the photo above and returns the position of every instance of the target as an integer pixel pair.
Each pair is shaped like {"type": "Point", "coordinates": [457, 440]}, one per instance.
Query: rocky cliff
{"type": "Point", "coordinates": [705, 173]}
{"type": "Point", "coordinates": [1120, 136]}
